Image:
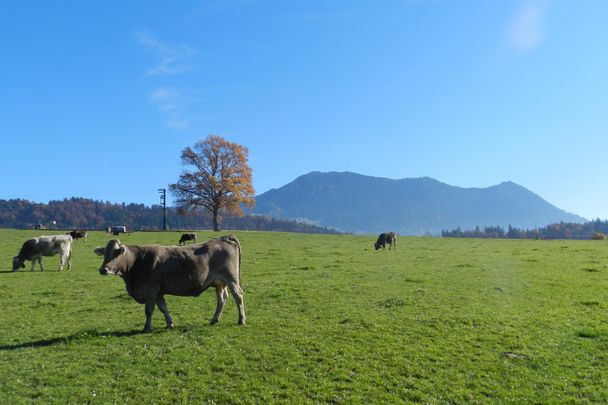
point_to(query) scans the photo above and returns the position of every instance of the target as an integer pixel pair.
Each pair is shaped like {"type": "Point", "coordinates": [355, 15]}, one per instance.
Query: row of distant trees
{"type": "Point", "coordinates": [216, 181]}
{"type": "Point", "coordinates": [596, 229]}
{"type": "Point", "coordinates": [83, 213]}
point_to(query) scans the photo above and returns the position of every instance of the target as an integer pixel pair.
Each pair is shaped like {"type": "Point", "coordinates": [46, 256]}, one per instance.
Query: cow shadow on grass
{"type": "Point", "coordinates": [80, 336]}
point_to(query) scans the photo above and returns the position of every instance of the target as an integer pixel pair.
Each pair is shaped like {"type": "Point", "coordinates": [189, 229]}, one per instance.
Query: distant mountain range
{"type": "Point", "coordinates": [356, 203]}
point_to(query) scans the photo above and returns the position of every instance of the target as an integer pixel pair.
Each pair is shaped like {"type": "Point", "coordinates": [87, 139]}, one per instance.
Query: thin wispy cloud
{"type": "Point", "coordinates": [173, 59]}
{"type": "Point", "coordinates": [174, 105]}
{"type": "Point", "coordinates": [527, 28]}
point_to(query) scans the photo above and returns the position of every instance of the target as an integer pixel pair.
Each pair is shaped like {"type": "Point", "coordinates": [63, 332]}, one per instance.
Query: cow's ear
{"type": "Point", "coordinates": [100, 250]}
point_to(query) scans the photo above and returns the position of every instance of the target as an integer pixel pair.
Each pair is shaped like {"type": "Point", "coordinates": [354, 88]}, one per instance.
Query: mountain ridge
{"type": "Point", "coordinates": [354, 202]}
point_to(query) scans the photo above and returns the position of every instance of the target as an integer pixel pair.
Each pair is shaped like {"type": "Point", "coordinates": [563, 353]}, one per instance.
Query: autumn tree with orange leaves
{"type": "Point", "coordinates": [217, 178]}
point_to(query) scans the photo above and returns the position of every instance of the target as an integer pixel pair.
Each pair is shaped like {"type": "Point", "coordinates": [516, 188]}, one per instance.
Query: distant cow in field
{"type": "Point", "coordinates": [117, 230]}
{"type": "Point", "coordinates": [78, 234]}
{"type": "Point", "coordinates": [150, 272]}
{"type": "Point", "coordinates": [187, 237]}
{"type": "Point", "coordinates": [384, 238]}
{"type": "Point", "coordinates": [108, 230]}
{"type": "Point", "coordinates": [34, 249]}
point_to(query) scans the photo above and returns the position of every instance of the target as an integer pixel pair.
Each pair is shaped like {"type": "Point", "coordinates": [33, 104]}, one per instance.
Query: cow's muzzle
{"type": "Point", "coordinates": [104, 271]}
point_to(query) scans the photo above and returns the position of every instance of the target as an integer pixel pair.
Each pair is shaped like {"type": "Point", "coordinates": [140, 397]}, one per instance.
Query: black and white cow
{"type": "Point", "coordinates": [187, 237]}
{"type": "Point", "coordinates": [78, 234]}
{"type": "Point", "coordinates": [117, 230]}
{"type": "Point", "coordinates": [33, 249]}
{"type": "Point", "coordinates": [384, 238]}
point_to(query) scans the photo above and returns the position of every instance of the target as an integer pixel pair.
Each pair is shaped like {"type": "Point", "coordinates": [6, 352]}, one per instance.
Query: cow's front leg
{"type": "Point", "coordinates": [149, 309]}
{"type": "Point", "coordinates": [162, 305]}
{"type": "Point", "coordinates": [222, 294]}
{"type": "Point", "coordinates": [237, 293]}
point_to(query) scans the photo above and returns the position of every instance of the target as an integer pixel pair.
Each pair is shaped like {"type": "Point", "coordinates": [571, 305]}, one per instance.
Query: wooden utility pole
{"type": "Point", "coordinates": [163, 202]}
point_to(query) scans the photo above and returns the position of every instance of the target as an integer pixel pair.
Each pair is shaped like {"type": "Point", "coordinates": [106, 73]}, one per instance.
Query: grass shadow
{"type": "Point", "coordinates": [68, 339]}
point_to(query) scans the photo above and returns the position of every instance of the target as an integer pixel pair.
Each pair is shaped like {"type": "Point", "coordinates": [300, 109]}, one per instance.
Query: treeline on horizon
{"type": "Point", "coordinates": [83, 213]}
{"type": "Point", "coordinates": [596, 229]}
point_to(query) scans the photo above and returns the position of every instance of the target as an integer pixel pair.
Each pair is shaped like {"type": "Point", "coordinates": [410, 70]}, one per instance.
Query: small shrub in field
{"type": "Point", "coordinates": [599, 236]}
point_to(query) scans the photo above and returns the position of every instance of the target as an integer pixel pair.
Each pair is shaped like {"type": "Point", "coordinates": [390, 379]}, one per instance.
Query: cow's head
{"type": "Point", "coordinates": [111, 257]}
{"type": "Point", "coordinates": [377, 245]}
{"type": "Point", "coordinates": [18, 263]}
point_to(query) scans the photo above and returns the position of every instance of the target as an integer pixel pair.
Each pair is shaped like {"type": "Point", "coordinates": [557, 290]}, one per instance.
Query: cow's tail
{"type": "Point", "coordinates": [233, 239]}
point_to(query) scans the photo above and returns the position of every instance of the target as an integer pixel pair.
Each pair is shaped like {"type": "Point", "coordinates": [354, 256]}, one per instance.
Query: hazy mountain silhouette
{"type": "Point", "coordinates": [353, 202]}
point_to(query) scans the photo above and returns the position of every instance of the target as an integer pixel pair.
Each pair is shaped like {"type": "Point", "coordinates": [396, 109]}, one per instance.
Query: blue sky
{"type": "Point", "coordinates": [99, 98]}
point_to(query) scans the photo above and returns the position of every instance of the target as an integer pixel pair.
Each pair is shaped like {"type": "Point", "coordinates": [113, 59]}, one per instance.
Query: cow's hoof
{"type": "Point", "coordinates": [169, 326]}
{"type": "Point", "coordinates": [241, 322]}
{"type": "Point", "coordinates": [213, 321]}
{"type": "Point", "coordinates": [147, 330]}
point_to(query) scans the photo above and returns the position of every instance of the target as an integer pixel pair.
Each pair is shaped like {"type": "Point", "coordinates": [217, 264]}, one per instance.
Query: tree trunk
{"type": "Point", "coordinates": [216, 219]}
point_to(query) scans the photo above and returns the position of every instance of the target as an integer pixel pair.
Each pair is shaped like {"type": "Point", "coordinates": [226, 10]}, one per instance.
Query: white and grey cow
{"type": "Point", "coordinates": [33, 249]}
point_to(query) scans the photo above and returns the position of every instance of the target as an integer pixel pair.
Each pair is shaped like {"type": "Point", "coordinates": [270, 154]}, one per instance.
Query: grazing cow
{"type": "Point", "coordinates": [187, 237]}
{"type": "Point", "coordinates": [150, 272]}
{"type": "Point", "coordinates": [108, 230]}
{"type": "Point", "coordinates": [34, 249]}
{"type": "Point", "coordinates": [78, 234]}
{"type": "Point", "coordinates": [384, 238]}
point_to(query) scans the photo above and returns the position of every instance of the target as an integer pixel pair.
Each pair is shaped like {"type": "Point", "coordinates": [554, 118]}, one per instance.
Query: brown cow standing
{"type": "Point", "coordinates": [150, 272]}
{"type": "Point", "coordinates": [384, 238]}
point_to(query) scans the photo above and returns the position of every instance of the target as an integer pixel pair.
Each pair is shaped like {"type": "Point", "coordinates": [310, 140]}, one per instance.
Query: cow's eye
{"type": "Point", "coordinates": [117, 253]}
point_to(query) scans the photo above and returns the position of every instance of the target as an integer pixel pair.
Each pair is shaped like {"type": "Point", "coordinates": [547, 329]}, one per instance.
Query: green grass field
{"type": "Point", "coordinates": [329, 320]}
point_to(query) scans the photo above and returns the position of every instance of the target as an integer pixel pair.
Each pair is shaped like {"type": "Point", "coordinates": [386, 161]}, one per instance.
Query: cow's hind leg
{"type": "Point", "coordinates": [149, 309]}
{"type": "Point", "coordinates": [61, 261]}
{"type": "Point", "coordinates": [162, 305]}
{"type": "Point", "coordinates": [70, 260]}
{"type": "Point", "coordinates": [222, 294]}
{"type": "Point", "coordinates": [237, 293]}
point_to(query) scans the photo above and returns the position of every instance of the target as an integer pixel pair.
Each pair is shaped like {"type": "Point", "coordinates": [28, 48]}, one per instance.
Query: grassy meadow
{"type": "Point", "coordinates": [329, 320]}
